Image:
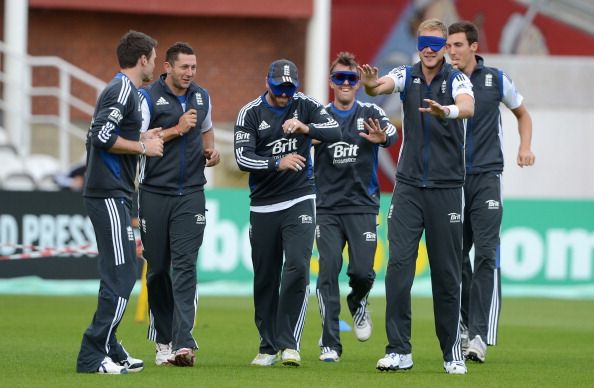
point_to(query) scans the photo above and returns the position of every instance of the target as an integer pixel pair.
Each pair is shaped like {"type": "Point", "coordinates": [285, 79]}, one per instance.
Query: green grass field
{"type": "Point", "coordinates": [542, 343]}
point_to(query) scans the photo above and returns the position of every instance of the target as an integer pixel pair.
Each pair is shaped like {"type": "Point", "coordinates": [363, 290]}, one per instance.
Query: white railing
{"type": "Point", "coordinates": [20, 111]}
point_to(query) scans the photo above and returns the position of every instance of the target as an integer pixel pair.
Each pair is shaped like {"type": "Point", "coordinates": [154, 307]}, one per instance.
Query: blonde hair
{"type": "Point", "coordinates": [433, 25]}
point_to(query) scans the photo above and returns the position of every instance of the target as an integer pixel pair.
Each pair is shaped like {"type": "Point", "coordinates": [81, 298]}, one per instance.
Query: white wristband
{"type": "Point", "coordinates": [453, 112]}
{"type": "Point", "coordinates": [143, 151]}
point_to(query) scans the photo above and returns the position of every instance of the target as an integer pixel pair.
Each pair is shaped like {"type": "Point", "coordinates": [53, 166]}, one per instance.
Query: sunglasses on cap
{"type": "Point", "coordinates": [338, 77]}
{"type": "Point", "coordinates": [435, 43]}
{"type": "Point", "coordinates": [285, 88]}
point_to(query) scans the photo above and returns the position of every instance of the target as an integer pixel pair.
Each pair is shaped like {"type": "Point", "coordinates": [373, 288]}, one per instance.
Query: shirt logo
{"type": "Point", "coordinates": [455, 218]}
{"type": "Point", "coordinates": [143, 225]}
{"type": "Point", "coordinates": [416, 80]}
{"type": "Point", "coordinates": [263, 125]}
{"type": "Point", "coordinates": [360, 126]}
{"type": "Point", "coordinates": [199, 100]}
{"type": "Point", "coordinates": [305, 219]}
{"type": "Point", "coordinates": [200, 219]}
{"type": "Point", "coordinates": [370, 236]}
{"type": "Point", "coordinates": [161, 101]}
{"type": "Point", "coordinates": [390, 211]}
{"type": "Point", "coordinates": [282, 146]}
{"type": "Point", "coordinates": [115, 115]}
{"type": "Point", "coordinates": [489, 80]}
{"type": "Point", "coordinates": [443, 87]}
{"type": "Point", "coordinates": [242, 137]}
{"type": "Point", "coordinates": [317, 231]}
{"type": "Point", "coordinates": [492, 204]}
{"type": "Point", "coordinates": [343, 152]}
{"type": "Point", "coordinates": [130, 233]}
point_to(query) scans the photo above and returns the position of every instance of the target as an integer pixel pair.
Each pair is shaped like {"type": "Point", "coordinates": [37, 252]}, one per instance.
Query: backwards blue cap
{"type": "Point", "coordinates": [435, 43]}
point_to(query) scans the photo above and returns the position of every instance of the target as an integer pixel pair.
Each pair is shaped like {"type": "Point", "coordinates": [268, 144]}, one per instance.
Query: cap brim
{"type": "Point", "coordinates": [283, 80]}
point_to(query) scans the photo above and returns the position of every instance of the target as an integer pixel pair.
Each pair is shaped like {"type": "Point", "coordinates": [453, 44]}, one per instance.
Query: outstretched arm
{"type": "Point", "coordinates": [375, 86]}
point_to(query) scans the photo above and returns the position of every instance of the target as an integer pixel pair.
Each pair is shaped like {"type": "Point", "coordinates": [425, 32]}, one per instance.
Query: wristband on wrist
{"type": "Point", "coordinates": [143, 152]}
{"type": "Point", "coordinates": [453, 112]}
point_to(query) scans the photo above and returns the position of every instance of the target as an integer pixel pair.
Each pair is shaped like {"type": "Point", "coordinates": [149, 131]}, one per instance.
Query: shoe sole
{"type": "Point", "coordinates": [392, 369]}
{"type": "Point", "coordinates": [291, 363]}
{"type": "Point", "coordinates": [183, 360]}
{"type": "Point", "coordinates": [474, 356]}
{"type": "Point", "coordinates": [135, 370]}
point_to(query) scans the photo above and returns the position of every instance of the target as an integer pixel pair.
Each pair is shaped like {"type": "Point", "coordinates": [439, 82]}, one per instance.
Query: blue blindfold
{"type": "Point", "coordinates": [285, 88]}
{"type": "Point", "coordinates": [435, 43]}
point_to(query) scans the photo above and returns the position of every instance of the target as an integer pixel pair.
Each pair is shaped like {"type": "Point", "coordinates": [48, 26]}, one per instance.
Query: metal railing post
{"type": "Point", "coordinates": [64, 119]}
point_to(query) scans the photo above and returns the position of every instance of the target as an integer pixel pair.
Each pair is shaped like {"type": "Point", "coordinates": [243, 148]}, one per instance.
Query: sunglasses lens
{"type": "Point", "coordinates": [350, 77]}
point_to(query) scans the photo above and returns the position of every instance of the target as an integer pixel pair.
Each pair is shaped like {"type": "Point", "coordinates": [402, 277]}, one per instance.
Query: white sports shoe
{"type": "Point", "coordinates": [455, 367]}
{"type": "Point", "coordinates": [263, 359]}
{"type": "Point", "coordinates": [477, 349]}
{"type": "Point", "coordinates": [108, 367]}
{"type": "Point", "coordinates": [290, 357]}
{"type": "Point", "coordinates": [329, 355]}
{"type": "Point", "coordinates": [183, 357]}
{"type": "Point", "coordinates": [394, 362]}
{"type": "Point", "coordinates": [163, 354]}
{"type": "Point", "coordinates": [363, 328]}
{"type": "Point", "coordinates": [130, 363]}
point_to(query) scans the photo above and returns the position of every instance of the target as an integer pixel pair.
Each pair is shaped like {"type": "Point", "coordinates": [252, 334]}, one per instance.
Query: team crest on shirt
{"type": "Point", "coordinates": [143, 225]}
{"type": "Point", "coordinates": [130, 233]}
{"type": "Point", "coordinates": [489, 80]}
{"type": "Point", "coordinates": [306, 219]}
{"type": "Point", "coordinates": [317, 231]}
{"type": "Point", "coordinates": [390, 211]}
{"type": "Point", "coordinates": [199, 100]}
{"type": "Point", "coordinates": [370, 236]}
{"type": "Point", "coordinates": [443, 87]}
{"type": "Point", "coordinates": [492, 204]}
{"type": "Point", "coordinates": [360, 126]}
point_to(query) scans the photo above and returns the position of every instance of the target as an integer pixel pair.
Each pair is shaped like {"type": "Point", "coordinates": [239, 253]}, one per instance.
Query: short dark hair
{"type": "Point", "coordinates": [132, 46]}
{"type": "Point", "coordinates": [468, 28]}
{"type": "Point", "coordinates": [344, 58]}
{"type": "Point", "coordinates": [176, 49]}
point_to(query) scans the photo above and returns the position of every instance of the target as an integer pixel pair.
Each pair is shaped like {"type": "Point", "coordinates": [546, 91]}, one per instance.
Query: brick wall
{"type": "Point", "coordinates": [233, 53]}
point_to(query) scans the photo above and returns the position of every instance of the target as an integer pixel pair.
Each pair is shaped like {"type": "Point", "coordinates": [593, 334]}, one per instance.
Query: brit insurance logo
{"type": "Point", "coordinates": [283, 146]}
{"type": "Point", "coordinates": [115, 115]}
{"type": "Point", "coordinates": [455, 218]}
{"type": "Point", "coordinates": [306, 219]}
{"type": "Point", "coordinates": [343, 152]}
{"type": "Point", "coordinates": [370, 236]}
{"type": "Point", "coordinates": [200, 219]}
{"type": "Point", "coordinates": [242, 137]}
{"type": "Point", "coordinates": [492, 204]}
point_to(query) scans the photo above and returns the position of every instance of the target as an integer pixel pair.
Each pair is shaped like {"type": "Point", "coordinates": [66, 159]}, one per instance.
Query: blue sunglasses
{"type": "Point", "coordinates": [435, 43]}
{"type": "Point", "coordinates": [338, 77]}
{"type": "Point", "coordinates": [285, 88]}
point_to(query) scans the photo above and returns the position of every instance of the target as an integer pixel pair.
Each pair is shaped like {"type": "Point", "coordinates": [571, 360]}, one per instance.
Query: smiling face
{"type": "Point", "coordinates": [344, 93]}
{"type": "Point", "coordinates": [181, 73]}
{"type": "Point", "coordinates": [460, 52]}
{"type": "Point", "coordinates": [432, 59]}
